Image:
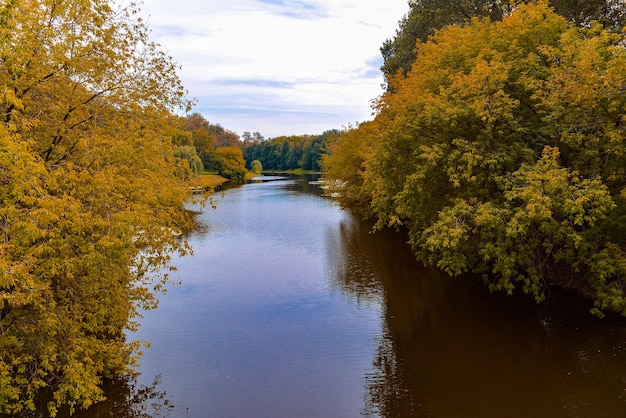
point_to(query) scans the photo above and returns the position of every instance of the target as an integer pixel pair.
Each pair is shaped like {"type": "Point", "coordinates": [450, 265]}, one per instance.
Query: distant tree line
{"type": "Point", "coordinates": [207, 146]}
{"type": "Point", "coordinates": [287, 152]}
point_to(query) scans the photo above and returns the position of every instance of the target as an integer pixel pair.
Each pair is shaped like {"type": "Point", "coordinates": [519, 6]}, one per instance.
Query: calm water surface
{"type": "Point", "coordinates": [291, 308]}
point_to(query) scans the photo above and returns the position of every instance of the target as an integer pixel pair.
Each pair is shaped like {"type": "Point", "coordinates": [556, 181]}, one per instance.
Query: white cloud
{"type": "Point", "coordinates": [280, 67]}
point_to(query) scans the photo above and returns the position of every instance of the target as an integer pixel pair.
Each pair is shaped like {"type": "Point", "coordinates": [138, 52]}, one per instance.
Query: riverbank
{"type": "Point", "coordinates": [298, 172]}
{"type": "Point", "coordinates": [211, 181]}
{"type": "Point", "coordinates": [207, 182]}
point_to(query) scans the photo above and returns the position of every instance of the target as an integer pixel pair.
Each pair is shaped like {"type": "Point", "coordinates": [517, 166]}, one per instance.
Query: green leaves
{"type": "Point", "coordinates": [548, 191]}
{"type": "Point", "coordinates": [608, 272]}
{"type": "Point", "coordinates": [502, 152]}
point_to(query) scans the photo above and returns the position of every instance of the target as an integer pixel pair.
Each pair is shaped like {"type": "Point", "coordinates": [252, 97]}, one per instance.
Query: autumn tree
{"type": "Point", "coordinates": [203, 140]}
{"type": "Point", "coordinates": [256, 167]}
{"type": "Point", "coordinates": [426, 16]}
{"type": "Point", "coordinates": [223, 137]}
{"type": "Point", "coordinates": [92, 194]}
{"type": "Point", "coordinates": [196, 121]}
{"type": "Point", "coordinates": [421, 21]}
{"type": "Point", "coordinates": [502, 152]}
{"type": "Point", "coordinates": [229, 163]}
{"type": "Point", "coordinates": [346, 161]}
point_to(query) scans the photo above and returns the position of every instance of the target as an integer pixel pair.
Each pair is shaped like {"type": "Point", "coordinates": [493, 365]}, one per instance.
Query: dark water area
{"type": "Point", "coordinates": [290, 307]}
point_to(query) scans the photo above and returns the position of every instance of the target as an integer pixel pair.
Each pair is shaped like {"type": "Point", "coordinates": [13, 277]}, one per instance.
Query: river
{"type": "Point", "coordinates": [290, 307]}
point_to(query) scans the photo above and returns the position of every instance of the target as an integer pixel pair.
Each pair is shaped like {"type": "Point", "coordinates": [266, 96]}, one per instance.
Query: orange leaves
{"type": "Point", "coordinates": [503, 150]}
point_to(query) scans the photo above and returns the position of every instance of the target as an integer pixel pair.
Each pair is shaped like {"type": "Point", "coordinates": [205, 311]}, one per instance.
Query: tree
{"type": "Point", "coordinates": [314, 148]}
{"type": "Point", "coordinates": [223, 137]}
{"type": "Point", "coordinates": [345, 163]}
{"type": "Point", "coordinates": [256, 167]}
{"type": "Point", "coordinates": [287, 152]}
{"type": "Point", "coordinates": [203, 141]}
{"type": "Point", "coordinates": [502, 153]}
{"type": "Point", "coordinates": [188, 153]}
{"type": "Point", "coordinates": [229, 162]}
{"type": "Point", "coordinates": [196, 121]}
{"type": "Point", "coordinates": [427, 16]}
{"type": "Point", "coordinates": [421, 22]}
{"type": "Point", "coordinates": [610, 13]}
{"type": "Point", "coordinates": [92, 194]}
{"type": "Point", "coordinates": [246, 137]}
{"type": "Point", "coordinates": [257, 137]}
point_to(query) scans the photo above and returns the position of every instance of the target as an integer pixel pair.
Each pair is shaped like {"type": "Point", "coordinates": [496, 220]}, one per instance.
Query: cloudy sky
{"type": "Point", "coordinates": [280, 67]}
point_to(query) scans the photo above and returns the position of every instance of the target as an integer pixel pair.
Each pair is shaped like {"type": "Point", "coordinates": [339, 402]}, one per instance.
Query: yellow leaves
{"type": "Point", "coordinates": [85, 163]}
{"type": "Point", "coordinates": [394, 222]}
{"type": "Point", "coordinates": [9, 99]}
{"type": "Point", "coordinates": [431, 154]}
{"type": "Point", "coordinates": [503, 150]}
{"type": "Point", "coordinates": [446, 238]}
{"type": "Point", "coordinates": [608, 271]}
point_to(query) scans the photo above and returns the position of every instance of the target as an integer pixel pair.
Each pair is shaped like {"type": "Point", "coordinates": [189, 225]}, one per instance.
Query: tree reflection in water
{"type": "Point", "coordinates": [365, 265]}
{"type": "Point", "coordinates": [125, 399]}
{"type": "Point", "coordinates": [449, 348]}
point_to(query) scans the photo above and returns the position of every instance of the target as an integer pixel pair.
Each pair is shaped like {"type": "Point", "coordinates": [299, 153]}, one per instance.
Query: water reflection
{"type": "Point", "coordinates": [125, 399]}
{"type": "Point", "coordinates": [448, 348]}
{"type": "Point", "coordinates": [256, 327]}
{"type": "Point", "coordinates": [291, 307]}
{"type": "Point", "coordinates": [136, 401]}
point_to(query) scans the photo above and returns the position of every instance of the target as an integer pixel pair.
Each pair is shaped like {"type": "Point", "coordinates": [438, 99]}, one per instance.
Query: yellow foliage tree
{"type": "Point", "coordinates": [502, 152]}
{"type": "Point", "coordinates": [229, 162]}
{"type": "Point", "coordinates": [92, 195]}
{"type": "Point", "coordinates": [346, 163]}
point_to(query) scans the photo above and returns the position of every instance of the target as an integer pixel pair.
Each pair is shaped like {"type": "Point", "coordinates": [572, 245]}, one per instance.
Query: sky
{"type": "Point", "coordinates": [279, 67]}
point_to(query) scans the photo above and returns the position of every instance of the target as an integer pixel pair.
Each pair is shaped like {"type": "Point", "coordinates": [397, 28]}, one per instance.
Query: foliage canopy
{"type": "Point", "coordinates": [92, 194]}
{"type": "Point", "coordinates": [425, 17]}
{"type": "Point", "coordinates": [229, 163]}
{"type": "Point", "coordinates": [502, 152]}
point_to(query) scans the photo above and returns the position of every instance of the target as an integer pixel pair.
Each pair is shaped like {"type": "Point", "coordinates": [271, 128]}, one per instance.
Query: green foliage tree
{"type": "Point", "coordinates": [256, 167]}
{"type": "Point", "coordinates": [287, 152]}
{"type": "Point", "coordinates": [91, 192]}
{"type": "Point", "coordinates": [609, 13]}
{"type": "Point", "coordinates": [188, 153]}
{"type": "Point", "coordinates": [502, 152]}
{"type": "Point", "coordinates": [314, 149]}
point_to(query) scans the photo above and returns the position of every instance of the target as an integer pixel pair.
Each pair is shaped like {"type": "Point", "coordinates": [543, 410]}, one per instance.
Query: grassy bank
{"type": "Point", "coordinates": [207, 180]}
{"type": "Point", "coordinates": [298, 172]}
